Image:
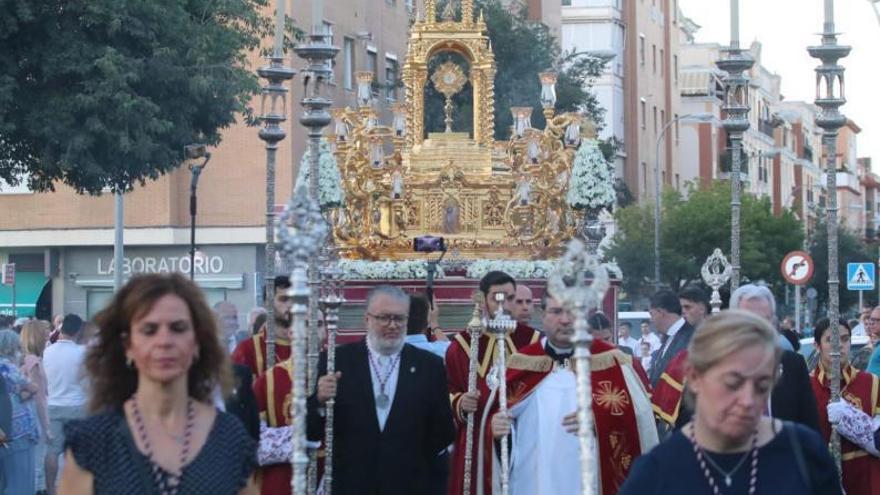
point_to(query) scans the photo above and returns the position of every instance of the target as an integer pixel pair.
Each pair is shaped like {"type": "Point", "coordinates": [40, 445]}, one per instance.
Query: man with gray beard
{"type": "Point", "coordinates": [392, 417]}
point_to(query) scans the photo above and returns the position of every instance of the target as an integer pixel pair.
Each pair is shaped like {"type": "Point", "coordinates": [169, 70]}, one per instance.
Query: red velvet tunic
{"type": "Point", "coordinates": [861, 470]}
{"type": "Point", "coordinates": [273, 391]}
{"type": "Point", "coordinates": [252, 352]}
{"type": "Point", "coordinates": [457, 363]}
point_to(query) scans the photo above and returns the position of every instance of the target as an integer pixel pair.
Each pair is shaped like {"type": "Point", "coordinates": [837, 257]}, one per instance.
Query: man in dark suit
{"type": "Point", "coordinates": [392, 417]}
{"type": "Point", "coordinates": [242, 403]}
{"type": "Point", "coordinates": [675, 333]}
{"type": "Point", "coordinates": [792, 398]}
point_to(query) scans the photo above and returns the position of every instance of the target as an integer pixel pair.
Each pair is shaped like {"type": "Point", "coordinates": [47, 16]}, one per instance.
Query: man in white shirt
{"type": "Point", "coordinates": [63, 362]}
{"type": "Point", "coordinates": [624, 339]}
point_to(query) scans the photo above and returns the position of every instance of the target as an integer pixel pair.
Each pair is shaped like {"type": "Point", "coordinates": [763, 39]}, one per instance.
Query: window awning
{"type": "Point", "coordinates": [28, 287]}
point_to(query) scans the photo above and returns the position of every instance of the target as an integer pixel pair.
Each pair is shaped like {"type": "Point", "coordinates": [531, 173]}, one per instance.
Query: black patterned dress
{"type": "Point", "coordinates": [104, 446]}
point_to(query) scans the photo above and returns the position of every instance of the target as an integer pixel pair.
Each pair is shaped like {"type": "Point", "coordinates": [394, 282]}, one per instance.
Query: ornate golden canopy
{"type": "Point", "coordinates": [488, 199]}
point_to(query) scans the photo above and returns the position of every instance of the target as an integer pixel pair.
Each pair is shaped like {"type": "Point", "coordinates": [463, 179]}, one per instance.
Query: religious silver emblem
{"type": "Point", "coordinates": [382, 401]}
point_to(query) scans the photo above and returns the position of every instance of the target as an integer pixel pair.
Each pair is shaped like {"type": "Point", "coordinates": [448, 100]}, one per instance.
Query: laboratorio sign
{"type": "Point", "coordinates": [163, 264]}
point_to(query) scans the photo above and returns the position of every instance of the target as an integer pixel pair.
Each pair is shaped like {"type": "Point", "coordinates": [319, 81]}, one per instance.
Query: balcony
{"type": "Point", "coordinates": [808, 153]}
{"type": "Point", "coordinates": [766, 127]}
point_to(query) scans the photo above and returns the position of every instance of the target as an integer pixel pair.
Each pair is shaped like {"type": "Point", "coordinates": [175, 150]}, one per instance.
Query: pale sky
{"type": "Point", "coordinates": [785, 28]}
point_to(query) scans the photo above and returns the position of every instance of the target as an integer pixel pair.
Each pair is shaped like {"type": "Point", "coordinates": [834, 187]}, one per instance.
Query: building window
{"type": "Point", "coordinates": [644, 177]}
{"type": "Point", "coordinates": [390, 78]}
{"type": "Point", "coordinates": [676, 128]}
{"type": "Point", "coordinates": [373, 66]}
{"type": "Point", "coordinates": [655, 119]}
{"type": "Point", "coordinates": [663, 117]}
{"type": "Point", "coordinates": [348, 63]}
{"type": "Point", "coordinates": [675, 68]}
{"type": "Point", "coordinates": [642, 49]}
{"type": "Point", "coordinates": [662, 63]}
{"type": "Point", "coordinates": [644, 114]}
{"type": "Point", "coordinates": [654, 58]}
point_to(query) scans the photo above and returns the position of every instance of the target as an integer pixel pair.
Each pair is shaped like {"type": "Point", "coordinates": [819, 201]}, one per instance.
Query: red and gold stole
{"type": "Point", "coordinates": [617, 432]}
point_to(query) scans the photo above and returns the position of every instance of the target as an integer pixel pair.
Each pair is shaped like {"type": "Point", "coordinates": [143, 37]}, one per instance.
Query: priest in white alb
{"type": "Point", "coordinates": [542, 422]}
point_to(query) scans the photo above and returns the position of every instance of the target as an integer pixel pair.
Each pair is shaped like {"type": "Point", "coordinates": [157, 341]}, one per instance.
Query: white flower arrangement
{"type": "Point", "coordinates": [523, 269]}
{"type": "Point", "coordinates": [330, 193]}
{"type": "Point", "coordinates": [592, 179]}
{"type": "Point", "coordinates": [386, 270]}
{"type": "Point", "coordinates": [515, 268]}
{"type": "Point", "coordinates": [417, 269]}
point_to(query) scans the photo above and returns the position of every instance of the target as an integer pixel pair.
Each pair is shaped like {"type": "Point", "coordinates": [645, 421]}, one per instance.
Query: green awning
{"type": "Point", "coordinates": [28, 286]}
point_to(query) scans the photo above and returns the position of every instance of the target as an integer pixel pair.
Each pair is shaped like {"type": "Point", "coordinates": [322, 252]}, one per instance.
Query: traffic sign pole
{"type": "Point", "coordinates": [861, 301]}
{"type": "Point", "coordinates": [797, 309]}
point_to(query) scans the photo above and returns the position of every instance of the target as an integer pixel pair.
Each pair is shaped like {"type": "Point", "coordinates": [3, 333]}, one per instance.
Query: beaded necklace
{"type": "Point", "coordinates": [702, 457]}
{"type": "Point", "coordinates": [167, 483]}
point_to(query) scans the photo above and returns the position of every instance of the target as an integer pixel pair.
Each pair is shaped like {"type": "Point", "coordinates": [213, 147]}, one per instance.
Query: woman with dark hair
{"type": "Point", "coordinates": [730, 446]}
{"type": "Point", "coordinates": [153, 371]}
{"type": "Point", "coordinates": [854, 413]}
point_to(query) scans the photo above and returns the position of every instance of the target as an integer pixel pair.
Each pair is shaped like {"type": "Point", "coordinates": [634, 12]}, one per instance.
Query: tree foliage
{"type": "Point", "coordinates": [850, 249]}
{"type": "Point", "coordinates": [692, 226]}
{"type": "Point", "coordinates": [102, 93]}
{"type": "Point", "coordinates": [522, 49]}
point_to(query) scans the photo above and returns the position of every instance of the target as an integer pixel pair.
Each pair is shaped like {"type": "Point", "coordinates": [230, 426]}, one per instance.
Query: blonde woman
{"type": "Point", "coordinates": [34, 336]}
{"type": "Point", "coordinates": [730, 446]}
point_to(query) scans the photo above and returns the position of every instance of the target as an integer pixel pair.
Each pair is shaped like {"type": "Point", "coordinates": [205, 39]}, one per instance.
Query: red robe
{"type": "Point", "coordinates": [666, 396]}
{"type": "Point", "coordinates": [861, 470]}
{"type": "Point", "coordinates": [273, 391]}
{"type": "Point", "coordinates": [617, 432]}
{"type": "Point", "coordinates": [252, 352]}
{"type": "Point", "coordinates": [457, 364]}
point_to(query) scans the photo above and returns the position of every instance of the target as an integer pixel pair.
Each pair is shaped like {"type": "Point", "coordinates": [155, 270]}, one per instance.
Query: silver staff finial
{"type": "Point", "coordinates": [716, 272]}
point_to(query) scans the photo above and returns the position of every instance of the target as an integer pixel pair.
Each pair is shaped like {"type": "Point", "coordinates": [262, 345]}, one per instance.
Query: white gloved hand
{"type": "Point", "coordinates": [854, 424]}
{"type": "Point", "coordinates": [836, 410]}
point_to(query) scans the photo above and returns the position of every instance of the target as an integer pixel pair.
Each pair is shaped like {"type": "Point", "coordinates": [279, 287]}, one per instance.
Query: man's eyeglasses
{"type": "Point", "coordinates": [389, 319]}
{"type": "Point", "coordinates": [873, 321]}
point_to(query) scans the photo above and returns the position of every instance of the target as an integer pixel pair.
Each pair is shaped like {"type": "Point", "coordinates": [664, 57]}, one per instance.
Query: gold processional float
{"type": "Point", "coordinates": [488, 199]}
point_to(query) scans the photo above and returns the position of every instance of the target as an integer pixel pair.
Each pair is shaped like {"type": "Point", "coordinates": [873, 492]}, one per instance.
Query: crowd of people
{"type": "Point", "coordinates": [161, 393]}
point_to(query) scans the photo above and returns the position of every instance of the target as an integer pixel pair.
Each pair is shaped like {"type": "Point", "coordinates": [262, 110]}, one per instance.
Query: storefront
{"type": "Point", "coordinates": [224, 272]}
{"type": "Point", "coordinates": [31, 293]}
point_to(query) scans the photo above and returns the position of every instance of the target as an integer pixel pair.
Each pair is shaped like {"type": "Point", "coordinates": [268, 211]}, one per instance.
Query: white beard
{"type": "Point", "coordinates": [384, 346]}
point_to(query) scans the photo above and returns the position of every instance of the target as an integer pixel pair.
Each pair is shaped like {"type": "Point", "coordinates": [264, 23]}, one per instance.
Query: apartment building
{"type": "Point", "coordinates": [62, 242]}
{"type": "Point", "coordinates": [639, 89]}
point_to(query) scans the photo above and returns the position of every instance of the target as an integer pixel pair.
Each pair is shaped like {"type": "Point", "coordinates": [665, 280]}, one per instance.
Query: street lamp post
{"type": "Point", "coordinates": [193, 151]}
{"type": "Point", "coordinates": [829, 77]}
{"type": "Point", "coordinates": [273, 112]}
{"type": "Point", "coordinates": [736, 122]}
{"type": "Point", "coordinates": [699, 117]}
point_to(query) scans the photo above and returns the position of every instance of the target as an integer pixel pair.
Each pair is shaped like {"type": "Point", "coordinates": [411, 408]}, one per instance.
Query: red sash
{"type": "Point", "coordinates": [861, 471]}
{"type": "Point", "coordinates": [617, 432]}
{"type": "Point", "coordinates": [666, 397]}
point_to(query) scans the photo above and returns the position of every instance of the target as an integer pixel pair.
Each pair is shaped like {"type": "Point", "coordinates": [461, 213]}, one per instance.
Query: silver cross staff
{"type": "Point", "coordinates": [475, 328]}
{"type": "Point", "coordinates": [579, 282]}
{"type": "Point", "coordinates": [331, 301]}
{"type": "Point", "coordinates": [716, 272]}
{"type": "Point", "coordinates": [500, 326]}
{"type": "Point", "coordinates": [306, 233]}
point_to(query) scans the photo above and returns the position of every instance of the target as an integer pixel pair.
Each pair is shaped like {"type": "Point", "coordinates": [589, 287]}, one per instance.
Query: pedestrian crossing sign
{"type": "Point", "coordinates": [860, 276]}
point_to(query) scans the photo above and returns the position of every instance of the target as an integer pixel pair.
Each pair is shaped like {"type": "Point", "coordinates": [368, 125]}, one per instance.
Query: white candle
{"type": "Point", "coordinates": [829, 12]}
{"type": "Point", "coordinates": [318, 16]}
{"type": "Point", "coordinates": [734, 23]}
{"type": "Point", "coordinates": [280, 8]}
